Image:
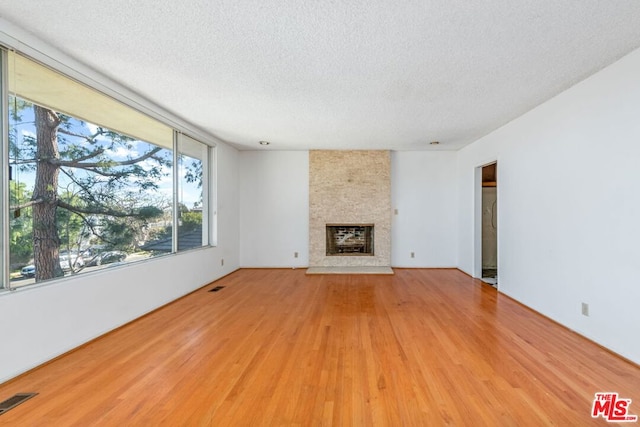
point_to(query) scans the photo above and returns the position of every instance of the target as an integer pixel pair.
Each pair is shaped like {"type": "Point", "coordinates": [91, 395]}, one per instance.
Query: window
{"type": "Point", "coordinates": [191, 208]}
{"type": "Point", "coordinates": [192, 178]}
{"type": "Point", "coordinates": [92, 182]}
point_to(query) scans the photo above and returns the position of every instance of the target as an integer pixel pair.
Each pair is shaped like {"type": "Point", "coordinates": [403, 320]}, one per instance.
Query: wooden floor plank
{"type": "Point", "coordinates": [279, 347]}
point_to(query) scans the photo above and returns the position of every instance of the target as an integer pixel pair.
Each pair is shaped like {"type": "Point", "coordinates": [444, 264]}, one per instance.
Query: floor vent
{"type": "Point", "coordinates": [216, 289]}
{"type": "Point", "coordinates": [14, 401]}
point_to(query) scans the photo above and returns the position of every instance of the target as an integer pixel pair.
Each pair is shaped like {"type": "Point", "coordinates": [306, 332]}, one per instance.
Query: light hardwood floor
{"type": "Point", "coordinates": [278, 347]}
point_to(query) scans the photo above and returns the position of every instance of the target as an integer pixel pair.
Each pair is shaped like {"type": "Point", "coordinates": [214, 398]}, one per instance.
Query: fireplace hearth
{"type": "Point", "coordinates": [349, 239]}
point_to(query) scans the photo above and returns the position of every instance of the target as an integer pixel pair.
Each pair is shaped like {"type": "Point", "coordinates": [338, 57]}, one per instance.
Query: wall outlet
{"type": "Point", "coordinates": [222, 261]}
{"type": "Point", "coordinates": [413, 254]}
{"type": "Point", "coordinates": [585, 309]}
{"type": "Point", "coordinates": [295, 254]}
{"type": "Point", "coordinates": [395, 211]}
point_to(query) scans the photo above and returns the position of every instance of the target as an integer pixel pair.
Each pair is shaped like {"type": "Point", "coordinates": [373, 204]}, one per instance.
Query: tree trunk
{"type": "Point", "coordinates": [46, 242]}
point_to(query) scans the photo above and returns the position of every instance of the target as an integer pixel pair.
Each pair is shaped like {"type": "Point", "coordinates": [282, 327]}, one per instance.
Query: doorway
{"type": "Point", "coordinates": [489, 224]}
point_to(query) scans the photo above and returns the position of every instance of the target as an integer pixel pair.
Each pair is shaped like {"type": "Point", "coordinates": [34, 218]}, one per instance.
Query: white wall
{"type": "Point", "coordinates": [274, 208]}
{"type": "Point", "coordinates": [43, 322]}
{"type": "Point", "coordinates": [423, 190]}
{"type": "Point", "coordinates": [569, 210]}
{"type": "Point", "coordinates": [228, 205]}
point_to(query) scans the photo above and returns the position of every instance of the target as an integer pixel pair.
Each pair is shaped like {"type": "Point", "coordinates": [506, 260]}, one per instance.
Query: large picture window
{"type": "Point", "coordinates": [93, 183]}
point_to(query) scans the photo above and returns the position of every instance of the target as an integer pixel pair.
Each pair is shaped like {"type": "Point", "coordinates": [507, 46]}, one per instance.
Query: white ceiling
{"type": "Point", "coordinates": [328, 74]}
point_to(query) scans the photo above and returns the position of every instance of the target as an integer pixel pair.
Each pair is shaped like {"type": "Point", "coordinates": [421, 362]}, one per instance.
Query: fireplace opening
{"type": "Point", "coordinates": [349, 239]}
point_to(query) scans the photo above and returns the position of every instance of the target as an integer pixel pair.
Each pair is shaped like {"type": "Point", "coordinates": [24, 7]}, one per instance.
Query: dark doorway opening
{"type": "Point", "coordinates": [490, 224]}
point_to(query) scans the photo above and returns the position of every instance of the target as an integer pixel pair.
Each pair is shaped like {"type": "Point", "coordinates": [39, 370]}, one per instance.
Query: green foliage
{"type": "Point", "coordinates": [160, 233]}
{"type": "Point", "coordinates": [105, 179]}
{"type": "Point", "coordinates": [149, 212]}
{"type": "Point", "coordinates": [20, 231]}
{"type": "Point", "coordinates": [124, 233]}
{"type": "Point", "coordinates": [193, 172]}
{"type": "Point", "coordinates": [191, 220]}
{"type": "Point", "coordinates": [72, 230]}
{"type": "Point", "coordinates": [120, 234]}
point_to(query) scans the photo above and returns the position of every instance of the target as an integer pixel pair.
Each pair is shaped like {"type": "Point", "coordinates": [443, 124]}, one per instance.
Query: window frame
{"type": "Point", "coordinates": [208, 198]}
{"type": "Point", "coordinates": [5, 283]}
{"type": "Point", "coordinates": [183, 138]}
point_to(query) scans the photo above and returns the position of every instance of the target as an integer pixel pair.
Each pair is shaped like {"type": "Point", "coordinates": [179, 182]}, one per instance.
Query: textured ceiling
{"type": "Point", "coordinates": [327, 74]}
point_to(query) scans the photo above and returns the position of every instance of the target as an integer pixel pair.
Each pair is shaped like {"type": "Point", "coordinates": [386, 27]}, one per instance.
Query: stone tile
{"type": "Point", "coordinates": [349, 187]}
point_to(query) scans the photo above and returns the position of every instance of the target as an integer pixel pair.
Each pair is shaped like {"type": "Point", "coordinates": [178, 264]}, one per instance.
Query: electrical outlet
{"type": "Point", "coordinates": [295, 254]}
{"type": "Point", "coordinates": [585, 309]}
{"type": "Point", "coordinates": [413, 254]}
{"type": "Point", "coordinates": [395, 211]}
{"type": "Point", "coordinates": [222, 261]}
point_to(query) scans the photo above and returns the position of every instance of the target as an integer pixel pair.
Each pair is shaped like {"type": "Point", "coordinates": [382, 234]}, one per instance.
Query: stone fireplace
{"type": "Point", "coordinates": [349, 240]}
{"type": "Point", "coordinates": [349, 208]}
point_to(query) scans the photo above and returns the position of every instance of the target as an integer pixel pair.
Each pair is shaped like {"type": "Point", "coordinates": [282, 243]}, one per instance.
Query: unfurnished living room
{"type": "Point", "coordinates": [319, 213]}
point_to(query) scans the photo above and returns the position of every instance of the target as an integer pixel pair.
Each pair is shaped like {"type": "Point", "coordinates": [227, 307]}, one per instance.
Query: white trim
{"type": "Point", "coordinates": [477, 218]}
{"type": "Point", "coordinates": [212, 192]}
{"type": "Point", "coordinates": [206, 199]}
{"type": "Point", "coordinates": [5, 260]}
{"type": "Point", "coordinates": [477, 222]}
{"type": "Point", "coordinates": [175, 211]}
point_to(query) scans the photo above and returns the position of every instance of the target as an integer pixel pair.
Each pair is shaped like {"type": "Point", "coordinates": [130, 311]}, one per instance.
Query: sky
{"type": "Point", "coordinates": [190, 194]}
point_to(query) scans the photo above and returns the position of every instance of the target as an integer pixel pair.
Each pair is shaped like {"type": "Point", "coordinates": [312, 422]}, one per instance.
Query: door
{"type": "Point", "coordinates": [490, 224]}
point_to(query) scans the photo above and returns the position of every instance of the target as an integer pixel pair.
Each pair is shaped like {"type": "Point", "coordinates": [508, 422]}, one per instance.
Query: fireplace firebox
{"type": "Point", "coordinates": [349, 239]}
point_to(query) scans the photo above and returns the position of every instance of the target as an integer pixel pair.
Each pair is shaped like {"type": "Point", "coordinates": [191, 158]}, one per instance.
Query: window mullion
{"type": "Point", "coordinates": [206, 174]}
{"type": "Point", "coordinates": [176, 193]}
{"type": "Point", "coordinates": [4, 179]}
